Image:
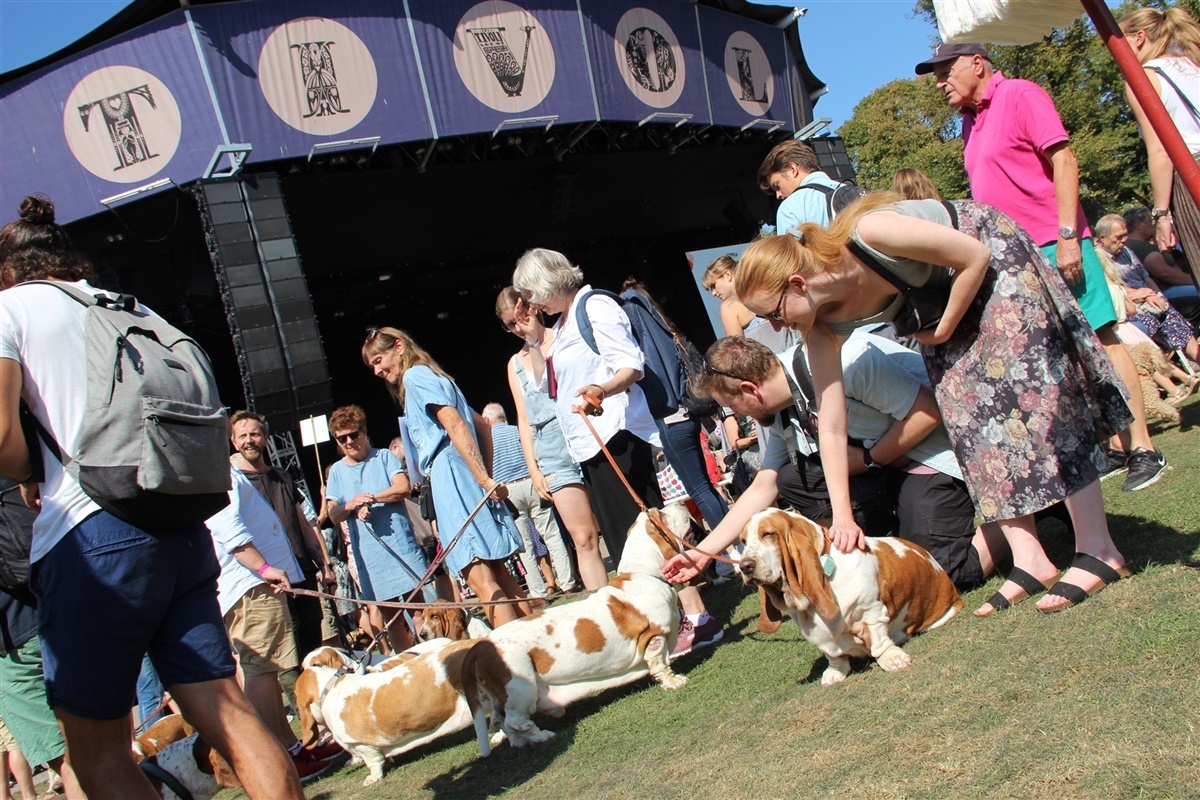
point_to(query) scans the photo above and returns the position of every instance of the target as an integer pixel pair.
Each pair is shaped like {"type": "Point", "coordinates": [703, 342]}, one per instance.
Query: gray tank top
{"type": "Point", "coordinates": [914, 273]}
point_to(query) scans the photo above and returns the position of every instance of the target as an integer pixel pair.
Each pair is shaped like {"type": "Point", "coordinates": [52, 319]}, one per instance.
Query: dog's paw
{"type": "Point", "coordinates": [831, 676]}
{"type": "Point", "coordinates": [674, 681]}
{"type": "Point", "coordinates": [497, 738]}
{"type": "Point", "coordinates": [372, 779]}
{"type": "Point", "coordinates": [894, 659]}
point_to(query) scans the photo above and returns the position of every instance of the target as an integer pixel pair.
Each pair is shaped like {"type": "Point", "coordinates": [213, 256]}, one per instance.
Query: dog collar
{"type": "Point", "coordinates": [827, 564]}
{"type": "Point", "coordinates": [153, 770]}
{"type": "Point", "coordinates": [337, 676]}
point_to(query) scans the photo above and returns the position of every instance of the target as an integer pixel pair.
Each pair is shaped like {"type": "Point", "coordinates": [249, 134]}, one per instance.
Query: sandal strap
{"type": "Point", "coordinates": [1069, 591]}
{"type": "Point", "coordinates": [1096, 567]}
{"type": "Point", "coordinates": [999, 602]}
{"type": "Point", "coordinates": [1026, 581]}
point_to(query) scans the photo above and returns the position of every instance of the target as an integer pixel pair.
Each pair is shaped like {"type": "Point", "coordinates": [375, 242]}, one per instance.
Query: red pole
{"type": "Point", "coordinates": [1168, 134]}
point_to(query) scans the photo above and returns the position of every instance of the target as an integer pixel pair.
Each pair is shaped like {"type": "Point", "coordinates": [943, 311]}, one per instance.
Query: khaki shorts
{"type": "Point", "coordinates": [260, 627]}
{"type": "Point", "coordinates": [7, 743]}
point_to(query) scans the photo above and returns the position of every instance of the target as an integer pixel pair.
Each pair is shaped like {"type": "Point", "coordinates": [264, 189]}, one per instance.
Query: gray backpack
{"type": "Point", "coordinates": [153, 449]}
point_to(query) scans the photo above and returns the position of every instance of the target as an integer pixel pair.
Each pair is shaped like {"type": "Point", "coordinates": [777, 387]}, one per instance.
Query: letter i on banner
{"type": "Point", "coordinates": [314, 431]}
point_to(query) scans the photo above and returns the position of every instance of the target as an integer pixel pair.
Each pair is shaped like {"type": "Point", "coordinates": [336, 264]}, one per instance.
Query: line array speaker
{"type": "Point", "coordinates": [832, 156]}
{"type": "Point", "coordinates": [266, 297]}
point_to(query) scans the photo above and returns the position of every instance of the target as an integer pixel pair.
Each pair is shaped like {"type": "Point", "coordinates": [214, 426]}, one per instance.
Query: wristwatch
{"type": "Point", "coordinates": [1159, 213]}
{"type": "Point", "coordinates": [870, 462]}
{"type": "Point", "coordinates": [1066, 232]}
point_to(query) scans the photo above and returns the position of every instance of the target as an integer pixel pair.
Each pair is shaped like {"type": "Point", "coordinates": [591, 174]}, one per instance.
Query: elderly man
{"type": "Point", "coordinates": [1018, 159]}
{"type": "Point", "coordinates": [901, 452]}
{"type": "Point", "coordinates": [1176, 285]}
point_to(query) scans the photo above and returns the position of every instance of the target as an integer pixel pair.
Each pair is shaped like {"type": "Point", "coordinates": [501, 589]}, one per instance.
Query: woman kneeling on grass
{"type": "Point", "coordinates": [1024, 386]}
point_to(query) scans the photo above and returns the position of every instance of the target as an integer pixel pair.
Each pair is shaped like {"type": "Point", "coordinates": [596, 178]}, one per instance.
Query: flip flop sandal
{"type": "Point", "coordinates": [1076, 595]}
{"type": "Point", "coordinates": [1020, 577]}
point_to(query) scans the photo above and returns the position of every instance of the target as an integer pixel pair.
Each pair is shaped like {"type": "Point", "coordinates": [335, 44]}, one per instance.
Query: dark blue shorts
{"type": "Point", "coordinates": [108, 593]}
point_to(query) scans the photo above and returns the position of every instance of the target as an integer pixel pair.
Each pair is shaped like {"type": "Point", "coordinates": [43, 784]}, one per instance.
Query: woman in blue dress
{"type": "Point", "coordinates": [446, 433]}
{"type": "Point", "coordinates": [366, 489]}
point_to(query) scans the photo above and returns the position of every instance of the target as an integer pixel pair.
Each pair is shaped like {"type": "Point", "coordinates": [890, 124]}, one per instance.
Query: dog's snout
{"type": "Point", "coordinates": [747, 566]}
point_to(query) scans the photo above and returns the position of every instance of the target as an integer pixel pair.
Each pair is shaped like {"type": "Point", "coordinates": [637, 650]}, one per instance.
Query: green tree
{"type": "Point", "coordinates": [906, 123]}
{"type": "Point", "coordinates": [1073, 65]}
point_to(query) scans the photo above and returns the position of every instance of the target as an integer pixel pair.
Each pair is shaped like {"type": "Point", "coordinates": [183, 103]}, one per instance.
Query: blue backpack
{"type": "Point", "coordinates": [669, 358]}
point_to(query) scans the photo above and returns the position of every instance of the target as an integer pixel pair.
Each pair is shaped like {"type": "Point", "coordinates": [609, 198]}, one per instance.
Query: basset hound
{"type": "Point", "coordinates": [548, 660]}
{"type": "Point", "coordinates": [449, 622]}
{"type": "Point", "coordinates": [168, 730]}
{"type": "Point", "coordinates": [408, 700]}
{"type": "Point", "coordinates": [847, 604]}
{"type": "Point", "coordinates": [188, 769]}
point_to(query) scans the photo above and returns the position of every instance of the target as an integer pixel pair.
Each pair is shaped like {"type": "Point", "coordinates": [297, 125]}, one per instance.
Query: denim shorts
{"type": "Point", "coordinates": [108, 593]}
{"type": "Point", "coordinates": [550, 449]}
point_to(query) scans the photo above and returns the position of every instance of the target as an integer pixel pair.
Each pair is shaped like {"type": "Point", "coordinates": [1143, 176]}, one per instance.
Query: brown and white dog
{"type": "Point", "coordinates": [863, 603]}
{"type": "Point", "coordinates": [193, 766]}
{"type": "Point", "coordinates": [449, 622]}
{"type": "Point", "coordinates": [548, 660]}
{"type": "Point", "coordinates": [413, 698]}
{"type": "Point", "coordinates": [168, 730]}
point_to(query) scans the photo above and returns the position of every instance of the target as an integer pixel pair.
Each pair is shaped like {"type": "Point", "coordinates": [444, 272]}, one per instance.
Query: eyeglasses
{"type": "Point", "coordinates": [777, 314]}
{"type": "Point", "coordinates": [709, 369]}
{"type": "Point", "coordinates": [346, 438]}
{"type": "Point", "coordinates": [510, 326]}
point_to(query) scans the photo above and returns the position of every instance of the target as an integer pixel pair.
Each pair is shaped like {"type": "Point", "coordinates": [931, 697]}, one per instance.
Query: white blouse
{"type": "Point", "coordinates": [1187, 77]}
{"type": "Point", "coordinates": [576, 365]}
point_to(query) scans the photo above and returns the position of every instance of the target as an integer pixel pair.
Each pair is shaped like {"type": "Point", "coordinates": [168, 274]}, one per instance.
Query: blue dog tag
{"type": "Point", "coordinates": [827, 566]}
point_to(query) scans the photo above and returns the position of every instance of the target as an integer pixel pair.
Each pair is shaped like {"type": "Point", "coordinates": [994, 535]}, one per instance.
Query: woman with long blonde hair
{"type": "Point", "coordinates": [1167, 43]}
{"type": "Point", "coordinates": [454, 448]}
{"type": "Point", "coordinates": [1024, 386]}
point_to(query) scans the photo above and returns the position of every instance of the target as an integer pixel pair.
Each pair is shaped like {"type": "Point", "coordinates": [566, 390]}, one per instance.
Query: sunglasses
{"type": "Point", "coordinates": [346, 438]}
{"type": "Point", "coordinates": [777, 314]}
{"type": "Point", "coordinates": [371, 334]}
{"type": "Point", "coordinates": [709, 369]}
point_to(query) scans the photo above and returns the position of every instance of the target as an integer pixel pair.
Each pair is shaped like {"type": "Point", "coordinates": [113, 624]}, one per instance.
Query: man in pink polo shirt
{"type": "Point", "coordinates": [1019, 160]}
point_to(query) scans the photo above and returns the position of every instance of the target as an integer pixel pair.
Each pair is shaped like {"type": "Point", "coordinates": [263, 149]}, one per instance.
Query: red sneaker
{"type": "Point", "coordinates": [310, 768]}
{"type": "Point", "coordinates": [320, 752]}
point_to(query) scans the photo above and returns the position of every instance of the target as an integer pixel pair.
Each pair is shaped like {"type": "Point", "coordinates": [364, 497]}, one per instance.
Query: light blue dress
{"type": "Point", "coordinates": [492, 535]}
{"type": "Point", "coordinates": [549, 445]}
{"type": "Point", "coordinates": [379, 575]}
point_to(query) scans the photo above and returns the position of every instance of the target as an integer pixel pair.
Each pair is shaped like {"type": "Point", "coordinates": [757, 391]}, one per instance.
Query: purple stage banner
{"type": "Point", "coordinates": [490, 63]}
{"type": "Point", "coordinates": [646, 61]}
{"type": "Point", "coordinates": [289, 75]}
{"type": "Point", "coordinates": [747, 70]}
{"type": "Point", "coordinates": [116, 118]}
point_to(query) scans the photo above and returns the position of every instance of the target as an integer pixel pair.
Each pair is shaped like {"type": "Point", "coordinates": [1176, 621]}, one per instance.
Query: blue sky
{"type": "Point", "coordinates": [854, 46]}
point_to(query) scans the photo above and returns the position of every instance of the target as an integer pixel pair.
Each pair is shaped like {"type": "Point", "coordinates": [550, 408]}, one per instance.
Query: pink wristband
{"type": "Point", "coordinates": [263, 569]}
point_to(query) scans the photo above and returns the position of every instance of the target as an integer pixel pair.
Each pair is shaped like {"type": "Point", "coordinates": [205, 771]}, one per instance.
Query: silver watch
{"type": "Point", "coordinates": [1066, 232]}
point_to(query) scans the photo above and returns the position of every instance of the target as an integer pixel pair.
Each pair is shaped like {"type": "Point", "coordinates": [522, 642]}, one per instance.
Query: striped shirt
{"type": "Point", "coordinates": [508, 459]}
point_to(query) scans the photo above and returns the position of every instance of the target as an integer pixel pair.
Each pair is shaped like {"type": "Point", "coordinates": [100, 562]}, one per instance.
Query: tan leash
{"type": "Point", "coordinates": [594, 402]}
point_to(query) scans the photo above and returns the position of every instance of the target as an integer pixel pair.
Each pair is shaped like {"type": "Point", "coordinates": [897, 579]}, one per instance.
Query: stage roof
{"type": "Point", "coordinates": [165, 94]}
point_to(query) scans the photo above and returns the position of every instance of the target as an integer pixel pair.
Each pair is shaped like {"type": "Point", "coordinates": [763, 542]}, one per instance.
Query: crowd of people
{"type": "Point", "coordinates": [893, 364]}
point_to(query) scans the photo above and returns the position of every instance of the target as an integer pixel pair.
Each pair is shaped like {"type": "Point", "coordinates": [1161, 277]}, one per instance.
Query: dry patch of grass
{"type": "Point", "coordinates": [1095, 702]}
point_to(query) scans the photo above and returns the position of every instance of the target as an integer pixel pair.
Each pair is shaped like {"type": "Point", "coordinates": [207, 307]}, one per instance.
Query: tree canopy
{"type": "Point", "coordinates": [907, 123]}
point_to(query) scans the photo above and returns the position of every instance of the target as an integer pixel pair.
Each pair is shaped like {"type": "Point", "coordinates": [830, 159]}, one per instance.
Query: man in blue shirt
{"type": "Point", "coordinates": [789, 172]}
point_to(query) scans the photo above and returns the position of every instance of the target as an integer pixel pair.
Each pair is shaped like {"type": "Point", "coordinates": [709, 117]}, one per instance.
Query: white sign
{"type": "Point", "coordinates": [314, 430]}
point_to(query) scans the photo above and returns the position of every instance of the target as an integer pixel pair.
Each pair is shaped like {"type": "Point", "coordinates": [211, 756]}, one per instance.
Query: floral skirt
{"type": "Point", "coordinates": [1026, 390]}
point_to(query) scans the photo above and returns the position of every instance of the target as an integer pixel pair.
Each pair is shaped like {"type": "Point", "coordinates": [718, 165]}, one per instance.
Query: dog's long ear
{"type": "Point", "coordinates": [802, 567]}
{"type": "Point", "coordinates": [456, 624]}
{"type": "Point", "coordinates": [306, 694]}
{"type": "Point", "coordinates": [207, 758]}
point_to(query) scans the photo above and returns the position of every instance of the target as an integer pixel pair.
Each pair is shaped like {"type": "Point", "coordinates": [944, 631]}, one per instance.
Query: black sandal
{"type": "Point", "coordinates": [1020, 577]}
{"type": "Point", "coordinates": [1075, 594]}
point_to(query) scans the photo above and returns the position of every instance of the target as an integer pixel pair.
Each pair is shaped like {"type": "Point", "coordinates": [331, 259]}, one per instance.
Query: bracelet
{"type": "Point", "coordinates": [1159, 213]}
{"type": "Point", "coordinates": [263, 569]}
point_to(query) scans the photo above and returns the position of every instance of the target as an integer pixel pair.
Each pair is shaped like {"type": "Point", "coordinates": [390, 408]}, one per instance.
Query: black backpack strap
{"type": "Point", "coordinates": [804, 393]}
{"type": "Point", "coordinates": [862, 255]}
{"type": "Point", "coordinates": [953, 212]}
{"type": "Point", "coordinates": [828, 192]}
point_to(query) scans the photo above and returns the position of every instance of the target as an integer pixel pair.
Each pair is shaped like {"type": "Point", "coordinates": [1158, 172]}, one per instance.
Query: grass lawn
{"type": "Point", "coordinates": [1095, 702]}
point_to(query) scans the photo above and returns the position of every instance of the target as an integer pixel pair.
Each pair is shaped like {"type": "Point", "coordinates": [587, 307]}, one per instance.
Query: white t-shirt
{"type": "Point", "coordinates": [1187, 77]}
{"type": "Point", "coordinates": [576, 365]}
{"type": "Point", "coordinates": [42, 329]}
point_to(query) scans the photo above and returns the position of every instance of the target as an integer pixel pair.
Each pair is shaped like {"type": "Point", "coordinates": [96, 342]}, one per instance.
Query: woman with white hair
{"type": "Point", "coordinates": [604, 383]}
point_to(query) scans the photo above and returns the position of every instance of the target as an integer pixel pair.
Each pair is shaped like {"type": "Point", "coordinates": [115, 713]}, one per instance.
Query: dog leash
{"type": "Point", "coordinates": [152, 769]}
{"type": "Point", "coordinates": [683, 546]}
{"type": "Point", "coordinates": [142, 728]}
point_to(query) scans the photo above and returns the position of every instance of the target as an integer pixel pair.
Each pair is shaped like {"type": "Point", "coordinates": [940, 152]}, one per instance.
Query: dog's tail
{"type": "Point", "coordinates": [472, 692]}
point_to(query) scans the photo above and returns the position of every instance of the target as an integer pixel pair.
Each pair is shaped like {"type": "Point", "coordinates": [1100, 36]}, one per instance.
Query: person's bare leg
{"type": "Point", "coordinates": [547, 570]}
{"type": "Point", "coordinates": [991, 545]}
{"type": "Point", "coordinates": [264, 693]}
{"type": "Point", "coordinates": [485, 582]}
{"type": "Point", "coordinates": [103, 759]}
{"type": "Point", "coordinates": [1027, 554]}
{"type": "Point", "coordinates": [399, 636]}
{"type": "Point", "coordinates": [13, 761]}
{"type": "Point", "coordinates": [70, 780]}
{"type": "Point", "coordinates": [224, 717]}
{"type": "Point", "coordinates": [689, 598]}
{"type": "Point", "coordinates": [1139, 434]}
{"type": "Point", "coordinates": [575, 509]}
{"type": "Point", "coordinates": [1086, 508]}
{"type": "Point", "coordinates": [510, 587]}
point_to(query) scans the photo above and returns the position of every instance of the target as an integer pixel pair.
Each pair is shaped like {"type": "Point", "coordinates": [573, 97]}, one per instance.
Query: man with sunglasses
{"type": "Point", "coordinates": [905, 478]}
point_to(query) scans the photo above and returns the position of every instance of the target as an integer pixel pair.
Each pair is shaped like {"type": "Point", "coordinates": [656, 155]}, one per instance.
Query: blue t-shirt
{"type": "Point", "coordinates": [805, 205]}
